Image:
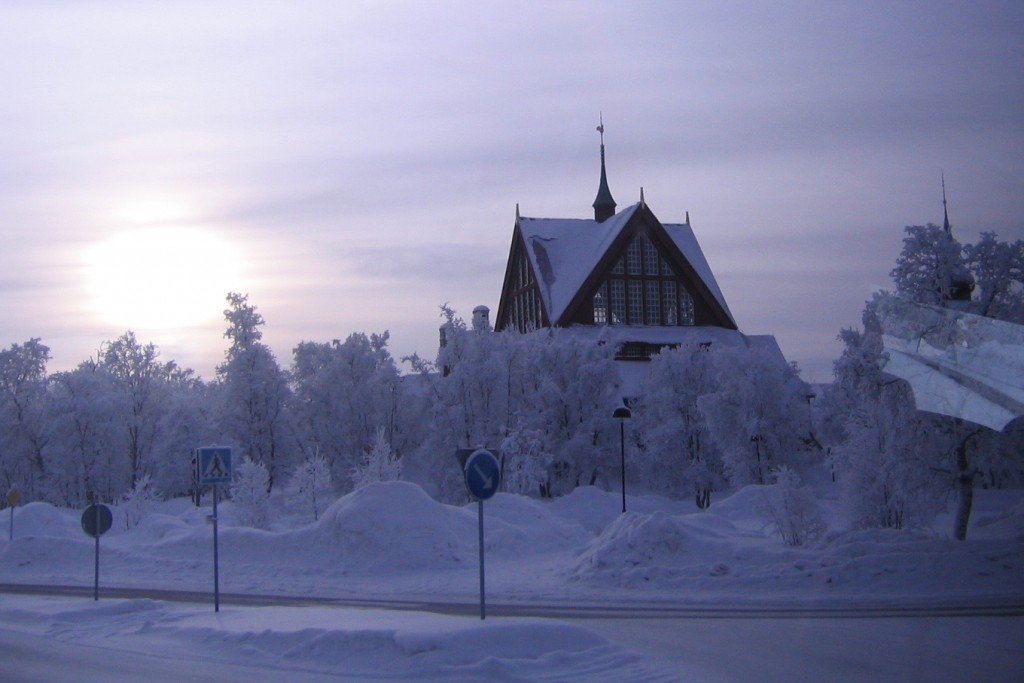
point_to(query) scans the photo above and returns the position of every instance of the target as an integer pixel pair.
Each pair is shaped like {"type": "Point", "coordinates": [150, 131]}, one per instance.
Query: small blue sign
{"type": "Point", "coordinates": [215, 465]}
{"type": "Point", "coordinates": [96, 520]}
{"type": "Point", "coordinates": [483, 474]}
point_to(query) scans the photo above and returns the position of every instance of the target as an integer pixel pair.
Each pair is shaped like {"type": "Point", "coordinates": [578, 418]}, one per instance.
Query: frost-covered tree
{"type": "Point", "coordinates": [188, 421]}
{"type": "Point", "coordinates": [755, 414]}
{"type": "Point", "coordinates": [930, 266]}
{"type": "Point", "coordinates": [792, 509]}
{"type": "Point", "coordinates": [311, 484]}
{"type": "Point", "coordinates": [254, 391]}
{"type": "Point", "coordinates": [379, 464]}
{"type": "Point", "coordinates": [88, 431]}
{"type": "Point", "coordinates": [986, 278]}
{"type": "Point", "coordinates": [343, 393]}
{"type": "Point", "coordinates": [464, 400]}
{"type": "Point", "coordinates": [494, 382]}
{"type": "Point", "coordinates": [998, 269]}
{"type": "Point", "coordinates": [137, 501]}
{"type": "Point", "coordinates": [141, 381]}
{"type": "Point", "coordinates": [888, 457]}
{"type": "Point", "coordinates": [250, 493]}
{"type": "Point", "coordinates": [678, 452]}
{"type": "Point", "coordinates": [24, 408]}
{"type": "Point", "coordinates": [525, 462]}
{"type": "Point", "coordinates": [568, 392]}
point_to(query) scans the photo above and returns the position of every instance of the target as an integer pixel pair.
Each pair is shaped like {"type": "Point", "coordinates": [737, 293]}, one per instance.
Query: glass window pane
{"type": "Point", "coordinates": [671, 308]}
{"type": "Point", "coordinates": [618, 299]}
{"type": "Point", "coordinates": [686, 315]}
{"type": "Point", "coordinates": [633, 257]}
{"type": "Point", "coordinates": [650, 257]}
{"type": "Point", "coordinates": [601, 305]}
{"type": "Point", "coordinates": [653, 303]}
{"type": "Point", "coordinates": [636, 302]}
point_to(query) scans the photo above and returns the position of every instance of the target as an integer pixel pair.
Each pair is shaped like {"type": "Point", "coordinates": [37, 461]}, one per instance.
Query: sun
{"type": "Point", "coordinates": [161, 277]}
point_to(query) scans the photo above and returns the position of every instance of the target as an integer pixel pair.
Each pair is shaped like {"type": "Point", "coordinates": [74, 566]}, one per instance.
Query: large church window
{"type": "Point", "coordinates": [525, 309]}
{"type": "Point", "coordinates": [643, 290]}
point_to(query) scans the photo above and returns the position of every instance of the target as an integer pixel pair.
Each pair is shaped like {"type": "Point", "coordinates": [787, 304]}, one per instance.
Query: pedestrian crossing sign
{"type": "Point", "coordinates": [215, 465]}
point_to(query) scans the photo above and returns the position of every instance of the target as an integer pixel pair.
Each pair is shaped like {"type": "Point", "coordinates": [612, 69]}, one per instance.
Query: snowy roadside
{"type": "Point", "coordinates": [393, 541]}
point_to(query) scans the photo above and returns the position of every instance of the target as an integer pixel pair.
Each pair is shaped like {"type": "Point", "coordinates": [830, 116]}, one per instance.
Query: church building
{"type": "Point", "coordinates": [625, 273]}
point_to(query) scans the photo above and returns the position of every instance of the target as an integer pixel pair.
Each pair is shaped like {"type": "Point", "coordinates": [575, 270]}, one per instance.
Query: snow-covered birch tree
{"type": "Point", "coordinates": [254, 391]}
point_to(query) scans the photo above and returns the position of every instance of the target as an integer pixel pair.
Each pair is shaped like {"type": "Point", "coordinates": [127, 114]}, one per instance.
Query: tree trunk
{"type": "Point", "coordinates": [965, 486]}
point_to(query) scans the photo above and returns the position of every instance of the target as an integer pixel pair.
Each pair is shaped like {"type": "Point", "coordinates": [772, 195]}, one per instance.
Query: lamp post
{"type": "Point", "coordinates": [757, 439]}
{"type": "Point", "coordinates": [622, 414]}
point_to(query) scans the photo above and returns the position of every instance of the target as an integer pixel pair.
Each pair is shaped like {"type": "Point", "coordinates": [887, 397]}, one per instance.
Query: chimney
{"type": "Point", "coordinates": [481, 318]}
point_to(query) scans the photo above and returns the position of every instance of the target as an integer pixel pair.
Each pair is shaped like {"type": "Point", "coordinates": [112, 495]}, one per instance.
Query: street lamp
{"type": "Point", "coordinates": [622, 414]}
{"type": "Point", "coordinates": [757, 439]}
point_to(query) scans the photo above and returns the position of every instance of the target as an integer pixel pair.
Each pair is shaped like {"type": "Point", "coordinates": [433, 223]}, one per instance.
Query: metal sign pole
{"type": "Point", "coordinates": [216, 566]}
{"type": "Point", "coordinates": [483, 476]}
{"type": "Point", "coordinates": [96, 574]}
{"type": "Point", "coordinates": [13, 498]}
{"type": "Point", "coordinates": [480, 508]}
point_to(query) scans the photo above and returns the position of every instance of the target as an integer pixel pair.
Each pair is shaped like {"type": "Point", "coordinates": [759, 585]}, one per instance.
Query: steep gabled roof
{"type": "Point", "coordinates": [565, 253]}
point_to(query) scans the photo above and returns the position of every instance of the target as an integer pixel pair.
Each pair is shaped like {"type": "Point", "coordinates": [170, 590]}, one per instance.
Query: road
{"type": "Point", "coordinates": [961, 642]}
{"type": "Point", "coordinates": [955, 608]}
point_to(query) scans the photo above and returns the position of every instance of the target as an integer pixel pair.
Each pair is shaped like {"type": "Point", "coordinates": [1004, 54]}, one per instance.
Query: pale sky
{"type": "Point", "coordinates": [353, 168]}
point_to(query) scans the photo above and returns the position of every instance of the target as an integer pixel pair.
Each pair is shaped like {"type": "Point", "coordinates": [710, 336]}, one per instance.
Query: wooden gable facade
{"type": "Point", "coordinates": [628, 270]}
{"type": "Point", "coordinates": [644, 279]}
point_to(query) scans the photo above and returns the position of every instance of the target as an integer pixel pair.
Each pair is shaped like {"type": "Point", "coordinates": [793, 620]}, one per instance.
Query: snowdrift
{"type": "Point", "coordinates": [393, 540]}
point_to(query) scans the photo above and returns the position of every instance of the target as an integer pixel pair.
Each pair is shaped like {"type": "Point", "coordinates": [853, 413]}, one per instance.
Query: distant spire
{"type": "Point", "coordinates": [642, 195]}
{"type": "Point", "coordinates": [945, 211]}
{"type": "Point", "coordinates": [604, 205]}
{"type": "Point", "coordinates": [687, 217]}
{"type": "Point", "coordinates": [962, 283]}
{"type": "Point", "coordinates": [517, 212]}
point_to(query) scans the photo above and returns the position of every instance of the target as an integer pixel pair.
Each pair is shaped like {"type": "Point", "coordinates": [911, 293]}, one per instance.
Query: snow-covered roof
{"type": "Point", "coordinates": [564, 251]}
{"type": "Point", "coordinates": [682, 235]}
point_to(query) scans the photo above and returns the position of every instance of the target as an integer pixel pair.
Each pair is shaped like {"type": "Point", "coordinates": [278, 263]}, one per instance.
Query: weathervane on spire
{"type": "Point", "coordinates": [604, 205]}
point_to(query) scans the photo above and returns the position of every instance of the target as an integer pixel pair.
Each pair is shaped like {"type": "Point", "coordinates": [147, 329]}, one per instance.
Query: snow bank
{"type": "Point", "coordinates": [390, 526]}
{"type": "Point", "coordinates": [393, 540]}
{"type": "Point", "coordinates": [639, 548]}
{"type": "Point", "coordinates": [44, 521]}
{"type": "Point", "coordinates": [375, 644]}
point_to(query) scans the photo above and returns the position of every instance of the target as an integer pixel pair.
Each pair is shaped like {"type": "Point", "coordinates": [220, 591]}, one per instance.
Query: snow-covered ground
{"type": "Point", "coordinates": [392, 541]}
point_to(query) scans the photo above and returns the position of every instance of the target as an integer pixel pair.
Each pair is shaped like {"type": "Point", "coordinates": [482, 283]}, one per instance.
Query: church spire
{"type": "Point", "coordinates": [945, 212]}
{"type": "Point", "coordinates": [604, 205]}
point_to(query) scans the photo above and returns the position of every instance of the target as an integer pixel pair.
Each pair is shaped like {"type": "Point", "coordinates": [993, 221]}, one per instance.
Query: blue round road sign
{"type": "Point", "coordinates": [96, 520]}
{"type": "Point", "coordinates": [483, 474]}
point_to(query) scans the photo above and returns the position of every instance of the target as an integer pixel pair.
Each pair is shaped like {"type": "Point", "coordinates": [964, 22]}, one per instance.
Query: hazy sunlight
{"type": "Point", "coordinates": [161, 278]}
